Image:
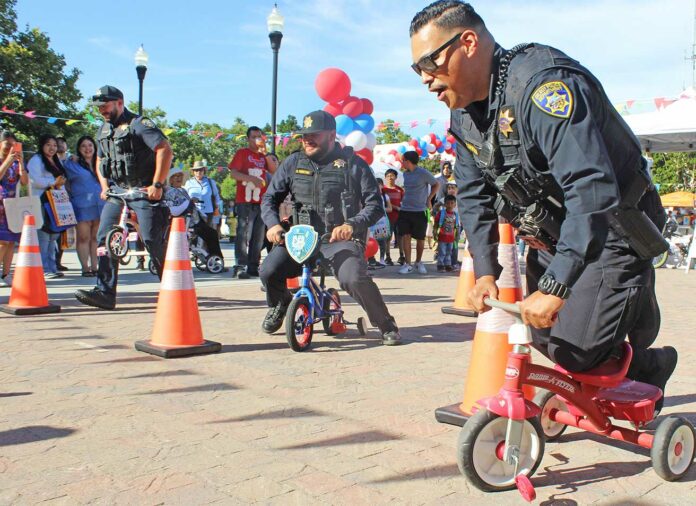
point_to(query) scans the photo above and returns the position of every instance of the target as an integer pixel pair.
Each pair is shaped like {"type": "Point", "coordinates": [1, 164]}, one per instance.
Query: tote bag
{"type": "Point", "coordinates": [63, 214]}
{"type": "Point", "coordinates": [18, 207]}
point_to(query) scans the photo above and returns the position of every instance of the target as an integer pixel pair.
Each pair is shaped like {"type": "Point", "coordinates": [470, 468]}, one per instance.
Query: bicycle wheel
{"type": "Point", "coordinates": [116, 243]}
{"type": "Point", "coordinates": [297, 331]}
{"type": "Point", "coordinates": [331, 303]}
{"type": "Point", "coordinates": [480, 451]}
{"type": "Point", "coordinates": [660, 260]}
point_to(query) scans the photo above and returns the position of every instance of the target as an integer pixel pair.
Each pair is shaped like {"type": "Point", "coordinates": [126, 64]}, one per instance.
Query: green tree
{"type": "Point", "coordinates": [34, 77]}
{"type": "Point", "coordinates": [674, 172]}
{"type": "Point", "coordinates": [391, 134]}
{"type": "Point", "coordinates": [228, 188]}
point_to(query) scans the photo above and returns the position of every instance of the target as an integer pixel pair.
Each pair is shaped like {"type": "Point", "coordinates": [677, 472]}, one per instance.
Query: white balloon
{"type": "Point", "coordinates": [426, 138]}
{"type": "Point", "coordinates": [390, 159]}
{"type": "Point", "coordinates": [371, 141]}
{"type": "Point", "coordinates": [410, 148]}
{"type": "Point", "coordinates": [397, 165]}
{"type": "Point", "coordinates": [448, 146]}
{"type": "Point", "coordinates": [356, 140]}
{"type": "Point", "coordinates": [431, 148]}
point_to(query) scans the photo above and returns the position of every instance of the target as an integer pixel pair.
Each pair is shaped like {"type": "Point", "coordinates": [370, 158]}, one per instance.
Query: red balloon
{"type": "Point", "coordinates": [332, 85]}
{"type": "Point", "coordinates": [438, 143]}
{"type": "Point", "coordinates": [450, 139]}
{"type": "Point", "coordinates": [367, 155]}
{"type": "Point", "coordinates": [371, 248]}
{"type": "Point", "coordinates": [333, 109]}
{"type": "Point", "coordinates": [419, 151]}
{"type": "Point", "coordinates": [368, 106]}
{"type": "Point", "coordinates": [433, 138]}
{"type": "Point", "coordinates": [352, 107]}
{"type": "Point", "coordinates": [414, 143]}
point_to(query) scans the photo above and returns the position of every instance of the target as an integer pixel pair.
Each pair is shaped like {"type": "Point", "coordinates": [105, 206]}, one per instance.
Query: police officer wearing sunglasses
{"type": "Point", "coordinates": [540, 145]}
{"type": "Point", "coordinates": [132, 153]}
{"type": "Point", "coordinates": [334, 191]}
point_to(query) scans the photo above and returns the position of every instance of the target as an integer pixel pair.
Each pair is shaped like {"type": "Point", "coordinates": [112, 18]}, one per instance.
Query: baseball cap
{"type": "Point", "coordinates": [106, 94]}
{"type": "Point", "coordinates": [317, 121]}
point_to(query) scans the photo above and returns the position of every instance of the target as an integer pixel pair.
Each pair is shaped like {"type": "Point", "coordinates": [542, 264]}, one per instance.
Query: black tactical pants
{"type": "Point", "coordinates": [613, 298]}
{"type": "Point", "coordinates": [153, 220]}
{"type": "Point", "coordinates": [349, 266]}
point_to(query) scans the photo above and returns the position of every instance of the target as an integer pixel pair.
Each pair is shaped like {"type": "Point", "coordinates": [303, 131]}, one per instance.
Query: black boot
{"type": "Point", "coordinates": [274, 318]}
{"type": "Point", "coordinates": [96, 298]}
{"type": "Point", "coordinates": [654, 366]}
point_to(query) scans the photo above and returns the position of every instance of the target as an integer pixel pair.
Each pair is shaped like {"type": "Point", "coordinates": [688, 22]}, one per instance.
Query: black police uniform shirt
{"type": "Point", "coordinates": [587, 147]}
{"type": "Point", "coordinates": [367, 197]}
{"type": "Point", "coordinates": [146, 137]}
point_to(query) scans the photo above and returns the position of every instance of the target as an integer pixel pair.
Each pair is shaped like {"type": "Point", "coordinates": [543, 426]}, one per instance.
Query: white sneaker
{"type": "Point", "coordinates": [421, 268]}
{"type": "Point", "coordinates": [6, 281]}
{"type": "Point", "coordinates": [406, 269]}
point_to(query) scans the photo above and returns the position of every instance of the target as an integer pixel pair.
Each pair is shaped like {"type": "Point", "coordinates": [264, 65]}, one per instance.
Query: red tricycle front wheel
{"type": "Point", "coordinates": [297, 329]}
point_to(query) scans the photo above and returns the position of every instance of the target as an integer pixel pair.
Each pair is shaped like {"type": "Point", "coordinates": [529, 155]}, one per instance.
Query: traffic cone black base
{"type": "Point", "coordinates": [178, 351]}
{"type": "Point", "coordinates": [26, 311]}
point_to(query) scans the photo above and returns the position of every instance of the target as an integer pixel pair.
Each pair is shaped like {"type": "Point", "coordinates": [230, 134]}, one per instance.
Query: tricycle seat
{"type": "Point", "coordinates": [609, 374]}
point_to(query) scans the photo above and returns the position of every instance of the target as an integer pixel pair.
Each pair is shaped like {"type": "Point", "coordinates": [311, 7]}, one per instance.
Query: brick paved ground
{"type": "Point", "coordinates": [84, 418]}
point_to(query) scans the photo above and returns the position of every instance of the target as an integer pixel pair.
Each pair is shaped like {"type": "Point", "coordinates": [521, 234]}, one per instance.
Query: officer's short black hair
{"type": "Point", "coordinates": [450, 198]}
{"type": "Point", "coordinates": [62, 139]}
{"type": "Point", "coordinates": [447, 15]}
{"type": "Point", "coordinates": [391, 171]}
{"type": "Point", "coordinates": [411, 156]}
{"type": "Point", "coordinates": [253, 129]}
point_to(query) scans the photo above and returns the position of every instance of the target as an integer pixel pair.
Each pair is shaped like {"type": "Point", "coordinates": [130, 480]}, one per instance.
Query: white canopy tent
{"type": "Point", "coordinates": [672, 128]}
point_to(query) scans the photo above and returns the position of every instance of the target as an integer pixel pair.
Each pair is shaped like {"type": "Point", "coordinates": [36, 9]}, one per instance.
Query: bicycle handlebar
{"type": "Point", "coordinates": [127, 193]}
{"type": "Point", "coordinates": [505, 306]}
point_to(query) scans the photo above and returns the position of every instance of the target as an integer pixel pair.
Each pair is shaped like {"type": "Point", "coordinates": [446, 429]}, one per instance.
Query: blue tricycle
{"type": "Point", "coordinates": [312, 302]}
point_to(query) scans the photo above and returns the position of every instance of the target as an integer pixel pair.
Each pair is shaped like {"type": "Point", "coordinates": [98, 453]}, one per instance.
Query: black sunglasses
{"type": "Point", "coordinates": [427, 63]}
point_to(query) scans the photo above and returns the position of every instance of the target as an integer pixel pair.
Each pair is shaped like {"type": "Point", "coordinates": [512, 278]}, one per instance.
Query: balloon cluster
{"type": "Point", "coordinates": [430, 144]}
{"type": "Point", "coordinates": [354, 123]}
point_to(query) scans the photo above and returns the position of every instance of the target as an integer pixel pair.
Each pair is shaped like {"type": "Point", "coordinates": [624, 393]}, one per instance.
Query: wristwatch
{"type": "Point", "coordinates": [158, 185]}
{"type": "Point", "coordinates": [549, 286]}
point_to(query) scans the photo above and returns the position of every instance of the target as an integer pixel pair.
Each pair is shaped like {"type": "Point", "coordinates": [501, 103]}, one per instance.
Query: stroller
{"type": "Point", "coordinates": [203, 260]}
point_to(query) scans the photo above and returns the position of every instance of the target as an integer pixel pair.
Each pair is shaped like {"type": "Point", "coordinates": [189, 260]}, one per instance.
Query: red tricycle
{"type": "Point", "coordinates": [502, 444]}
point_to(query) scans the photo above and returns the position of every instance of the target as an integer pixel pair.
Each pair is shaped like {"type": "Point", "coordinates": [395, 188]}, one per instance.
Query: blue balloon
{"type": "Point", "coordinates": [441, 149]}
{"type": "Point", "coordinates": [424, 146]}
{"type": "Point", "coordinates": [401, 149]}
{"type": "Point", "coordinates": [344, 124]}
{"type": "Point", "coordinates": [365, 123]}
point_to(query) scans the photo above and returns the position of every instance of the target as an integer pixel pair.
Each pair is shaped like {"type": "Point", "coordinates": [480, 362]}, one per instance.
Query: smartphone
{"type": "Point", "coordinates": [17, 147]}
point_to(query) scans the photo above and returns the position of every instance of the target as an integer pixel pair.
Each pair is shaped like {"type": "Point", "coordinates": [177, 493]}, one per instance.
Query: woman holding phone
{"type": "Point", "coordinates": [11, 174]}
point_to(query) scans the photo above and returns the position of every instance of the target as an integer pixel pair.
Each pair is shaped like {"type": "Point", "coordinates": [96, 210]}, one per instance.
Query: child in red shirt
{"type": "Point", "coordinates": [445, 229]}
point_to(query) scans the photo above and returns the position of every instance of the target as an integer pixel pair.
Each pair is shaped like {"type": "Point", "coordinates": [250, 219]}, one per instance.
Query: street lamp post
{"type": "Point", "coordinates": [275, 24]}
{"type": "Point", "coordinates": [141, 60]}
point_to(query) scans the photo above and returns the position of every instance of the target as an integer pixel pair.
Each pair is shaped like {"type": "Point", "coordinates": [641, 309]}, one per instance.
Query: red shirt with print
{"type": "Point", "coordinates": [395, 195]}
{"type": "Point", "coordinates": [248, 162]}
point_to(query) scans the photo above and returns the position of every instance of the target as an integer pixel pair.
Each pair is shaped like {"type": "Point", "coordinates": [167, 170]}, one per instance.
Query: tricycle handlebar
{"type": "Point", "coordinates": [505, 306]}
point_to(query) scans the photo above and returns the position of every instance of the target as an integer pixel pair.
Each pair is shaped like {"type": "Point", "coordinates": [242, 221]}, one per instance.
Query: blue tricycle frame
{"type": "Point", "coordinates": [312, 302]}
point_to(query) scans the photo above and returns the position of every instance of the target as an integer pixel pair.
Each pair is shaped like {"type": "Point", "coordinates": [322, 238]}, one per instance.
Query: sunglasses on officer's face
{"type": "Point", "coordinates": [427, 63]}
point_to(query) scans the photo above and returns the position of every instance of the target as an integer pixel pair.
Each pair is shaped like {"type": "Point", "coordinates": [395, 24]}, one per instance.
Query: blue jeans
{"type": "Point", "coordinates": [249, 239]}
{"type": "Point", "coordinates": [444, 253]}
{"type": "Point", "coordinates": [48, 245]}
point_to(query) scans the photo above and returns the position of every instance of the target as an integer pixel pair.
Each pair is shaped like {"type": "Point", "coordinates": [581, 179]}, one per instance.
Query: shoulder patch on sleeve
{"type": "Point", "coordinates": [148, 123]}
{"type": "Point", "coordinates": [554, 98]}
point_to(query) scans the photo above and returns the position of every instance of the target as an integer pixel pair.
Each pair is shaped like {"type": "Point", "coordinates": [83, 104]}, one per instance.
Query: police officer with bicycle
{"type": "Point", "coordinates": [132, 154]}
{"type": "Point", "coordinates": [540, 145]}
{"type": "Point", "coordinates": [334, 191]}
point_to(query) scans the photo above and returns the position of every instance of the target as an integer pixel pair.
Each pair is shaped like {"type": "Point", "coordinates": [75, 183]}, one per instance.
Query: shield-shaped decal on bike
{"type": "Point", "coordinates": [300, 242]}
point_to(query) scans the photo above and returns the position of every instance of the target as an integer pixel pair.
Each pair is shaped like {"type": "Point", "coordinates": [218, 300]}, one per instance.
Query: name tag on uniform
{"type": "Point", "coordinates": [304, 172]}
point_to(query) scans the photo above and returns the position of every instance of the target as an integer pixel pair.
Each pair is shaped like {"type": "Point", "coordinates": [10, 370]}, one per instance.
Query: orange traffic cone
{"type": "Point", "coordinates": [177, 331]}
{"type": "Point", "coordinates": [490, 350]}
{"type": "Point", "coordinates": [466, 282]}
{"type": "Point", "coordinates": [28, 295]}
